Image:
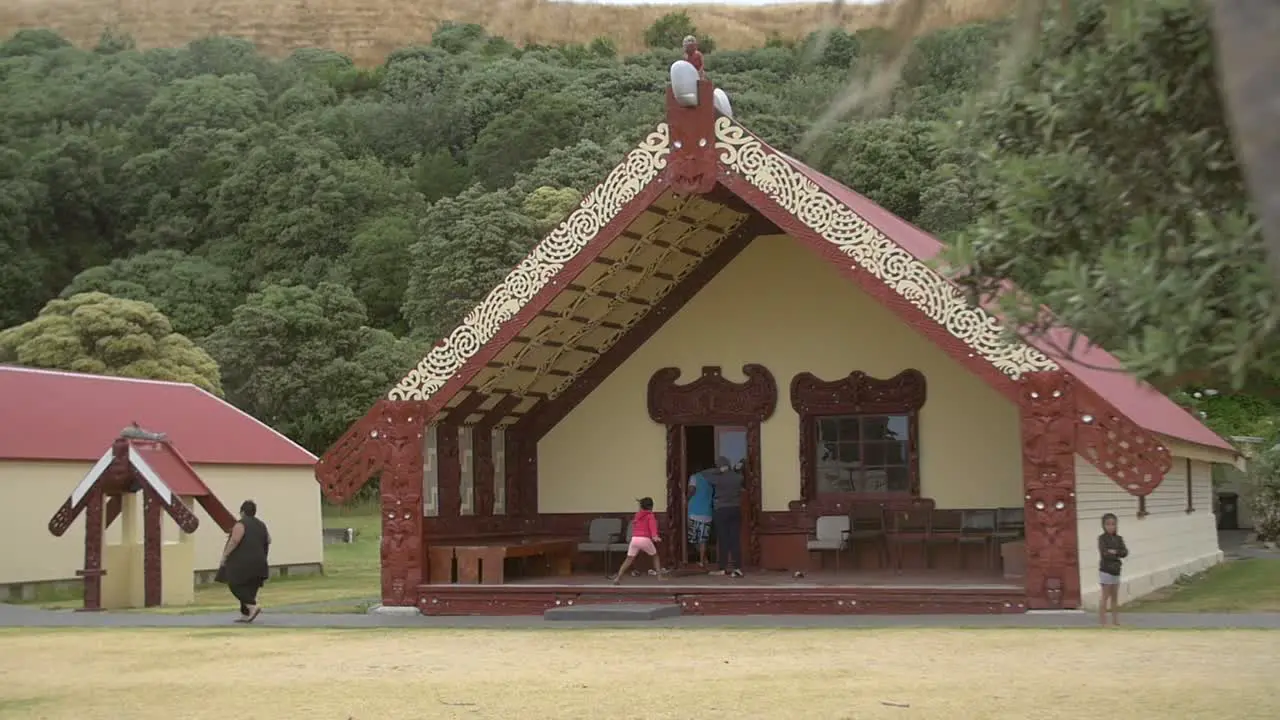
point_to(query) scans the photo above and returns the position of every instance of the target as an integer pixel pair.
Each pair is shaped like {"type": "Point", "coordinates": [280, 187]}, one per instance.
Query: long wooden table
{"type": "Point", "coordinates": [482, 562]}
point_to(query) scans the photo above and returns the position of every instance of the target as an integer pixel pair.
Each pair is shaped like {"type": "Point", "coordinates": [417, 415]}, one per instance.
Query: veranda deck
{"type": "Point", "coordinates": [758, 593]}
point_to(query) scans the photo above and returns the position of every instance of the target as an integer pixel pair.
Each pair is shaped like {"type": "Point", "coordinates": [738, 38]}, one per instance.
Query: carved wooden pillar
{"type": "Point", "coordinates": [754, 491]}
{"type": "Point", "coordinates": [152, 547]}
{"type": "Point", "coordinates": [482, 474]}
{"type": "Point", "coordinates": [1048, 419]}
{"type": "Point", "coordinates": [528, 476]}
{"type": "Point", "coordinates": [402, 426]}
{"type": "Point", "coordinates": [514, 498]}
{"type": "Point", "coordinates": [93, 537]}
{"type": "Point", "coordinates": [674, 534]}
{"type": "Point", "coordinates": [449, 476]}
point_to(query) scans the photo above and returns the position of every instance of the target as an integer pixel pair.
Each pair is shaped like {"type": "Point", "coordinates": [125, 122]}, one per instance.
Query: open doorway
{"type": "Point", "coordinates": [699, 455]}
{"type": "Point", "coordinates": [703, 446]}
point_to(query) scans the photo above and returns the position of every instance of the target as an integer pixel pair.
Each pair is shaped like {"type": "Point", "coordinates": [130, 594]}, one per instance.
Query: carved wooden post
{"type": "Point", "coordinates": [482, 474]}
{"type": "Point", "coordinates": [514, 499]}
{"type": "Point", "coordinates": [674, 534]}
{"type": "Point", "coordinates": [754, 490]}
{"type": "Point", "coordinates": [152, 547]}
{"type": "Point", "coordinates": [93, 536]}
{"type": "Point", "coordinates": [402, 429]}
{"type": "Point", "coordinates": [449, 475]}
{"type": "Point", "coordinates": [1048, 415]}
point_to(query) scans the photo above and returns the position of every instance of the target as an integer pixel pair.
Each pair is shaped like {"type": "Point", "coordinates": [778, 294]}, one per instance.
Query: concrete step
{"type": "Point", "coordinates": [610, 612]}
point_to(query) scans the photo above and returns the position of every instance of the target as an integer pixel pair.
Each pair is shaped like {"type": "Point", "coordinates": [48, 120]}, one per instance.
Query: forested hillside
{"type": "Point", "coordinates": [311, 226]}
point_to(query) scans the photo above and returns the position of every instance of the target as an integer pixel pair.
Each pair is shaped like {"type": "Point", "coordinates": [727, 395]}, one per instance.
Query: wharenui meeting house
{"type": "Point", "coordinates": [713, 297]}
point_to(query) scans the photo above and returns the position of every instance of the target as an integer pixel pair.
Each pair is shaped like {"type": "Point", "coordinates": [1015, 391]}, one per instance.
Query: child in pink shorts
{"type": "Point", "coordinates": [644, 538]}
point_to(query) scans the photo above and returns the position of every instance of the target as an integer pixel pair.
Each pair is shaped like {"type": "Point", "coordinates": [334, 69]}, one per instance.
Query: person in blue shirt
{"type": "Point", "coordinates": [699, 523]}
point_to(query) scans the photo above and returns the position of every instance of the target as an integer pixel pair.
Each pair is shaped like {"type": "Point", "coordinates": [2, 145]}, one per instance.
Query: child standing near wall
{"type": "Point", "coordinates": [644, 538]}
{"type": "Point", "coordinates": [1111, 552]}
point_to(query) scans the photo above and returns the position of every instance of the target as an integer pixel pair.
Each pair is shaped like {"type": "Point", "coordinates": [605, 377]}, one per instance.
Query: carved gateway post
{"type": "Point", "coordinates": [713, 400]}
{"type": "Point", "coordinates": [388, 443]}
{"type": "Point", "coordinates": [1047, 405]}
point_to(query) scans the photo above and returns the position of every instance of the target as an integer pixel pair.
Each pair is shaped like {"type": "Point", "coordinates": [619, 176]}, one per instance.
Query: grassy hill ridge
{"type": "Point", "coordinates": [367, 31]}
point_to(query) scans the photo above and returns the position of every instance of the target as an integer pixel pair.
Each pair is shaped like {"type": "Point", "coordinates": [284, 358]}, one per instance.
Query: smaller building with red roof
{"type": "Point", "coordinates": [57, 427]}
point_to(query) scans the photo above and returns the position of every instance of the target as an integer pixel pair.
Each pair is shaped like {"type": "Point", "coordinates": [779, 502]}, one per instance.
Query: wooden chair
{"type": "Point", "coordinates": [831, 533]}
{"type": "Point", "coordinates": [945, 528]}
{"type": "Point", "coordinates": [979, 528]}
{"type": "Point", "coordinates": [604, 535]}
{"type": "Point", "coordinates": [866, 524]}
{"type": "Point", "coordinates": [909, 525]}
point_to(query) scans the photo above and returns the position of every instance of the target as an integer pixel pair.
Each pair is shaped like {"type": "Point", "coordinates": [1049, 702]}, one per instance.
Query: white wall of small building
{"type": "Point", "coordinates": [1169, 542]}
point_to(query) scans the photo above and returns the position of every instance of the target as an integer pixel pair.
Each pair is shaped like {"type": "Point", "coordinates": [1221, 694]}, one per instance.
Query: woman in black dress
{"type": "Point", "coordinates": [244, 561]}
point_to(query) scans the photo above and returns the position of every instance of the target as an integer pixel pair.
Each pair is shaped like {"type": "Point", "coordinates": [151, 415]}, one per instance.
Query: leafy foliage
{"type": "Point", "coordinates": [99, 334]}
{"type": "Point", "coordinates": [1108, 192]}
{"type": "Point", "coordinates": [314, 225]}
{"type": "Point", "coordinates": [1263, 493]}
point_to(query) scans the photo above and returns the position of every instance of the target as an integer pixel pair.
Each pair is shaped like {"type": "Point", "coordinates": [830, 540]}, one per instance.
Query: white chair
{"type": "Point", "coordinates": [604, 535]}
{"type": "Point", "coordinates": [831, 533]}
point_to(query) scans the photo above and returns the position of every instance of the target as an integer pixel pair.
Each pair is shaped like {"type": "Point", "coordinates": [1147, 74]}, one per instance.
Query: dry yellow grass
{"type": "Point", "coordinates": [251, 673]}
{"type": "Point", "coordinates": [368, 30]}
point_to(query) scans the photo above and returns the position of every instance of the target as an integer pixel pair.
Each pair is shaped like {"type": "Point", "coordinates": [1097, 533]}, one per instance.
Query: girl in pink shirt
{"type": "Point", "coordinates": [644, 536]}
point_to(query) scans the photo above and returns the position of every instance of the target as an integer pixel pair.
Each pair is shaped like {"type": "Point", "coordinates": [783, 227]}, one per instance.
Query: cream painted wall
{"type": "Point", "coordinates": [781, 306]}
{"type": "Point", "coordinates": [288, 500]}
{"type": "Point", "coordinates": [1166, 544]}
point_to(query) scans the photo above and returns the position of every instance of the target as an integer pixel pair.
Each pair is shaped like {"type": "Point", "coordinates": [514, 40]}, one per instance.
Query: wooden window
{"type": "Point", "coordinates": [1191, 489]}
{"type": "Point", "coordinates": [863, 454]}
{"type": "Point", "coordinates": [859, 435]}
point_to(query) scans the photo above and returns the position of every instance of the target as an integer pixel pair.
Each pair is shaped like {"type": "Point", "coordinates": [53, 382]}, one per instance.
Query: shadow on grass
{"type": "Point", "coordinates": [1240, 586]}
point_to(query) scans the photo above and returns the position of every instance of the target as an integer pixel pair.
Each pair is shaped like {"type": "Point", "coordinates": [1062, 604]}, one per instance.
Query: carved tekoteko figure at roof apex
{"type": "Point", "coordinates": [692, 104]}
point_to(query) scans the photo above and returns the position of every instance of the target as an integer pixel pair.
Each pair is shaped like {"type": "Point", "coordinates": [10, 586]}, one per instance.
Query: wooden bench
{"type": "Point", "coordinates": [483, 562]}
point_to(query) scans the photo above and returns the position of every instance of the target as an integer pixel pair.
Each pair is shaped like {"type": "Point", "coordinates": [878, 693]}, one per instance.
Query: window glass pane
{"type": "Point", "coordinates": [831, 480]}
{"type": "Point", "coordinates": [827, 452]}
{"type": "Point", "coordinates": [895, 453]}
{"type": "Point", "coordinates": [828, 429]}
{"type": "Point", "coordinates": [873, 454]}
{"type": "Point", "coordinates": [898, 427]}
{"type": "Point", "coordinates": [849, 452]}
{"type": "Point", "coordinates": [874, 427]}
{"type": "Point", "coordinates": [849, 428]}
{"type": "Point", "coordinates": [897, 480]}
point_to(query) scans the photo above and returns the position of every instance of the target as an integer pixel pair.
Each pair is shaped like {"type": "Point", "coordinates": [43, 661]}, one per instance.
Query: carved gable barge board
{"type": "Point", "coordinates": [570, 269]}
{"type": "Point", "coordinates": [856, 394]}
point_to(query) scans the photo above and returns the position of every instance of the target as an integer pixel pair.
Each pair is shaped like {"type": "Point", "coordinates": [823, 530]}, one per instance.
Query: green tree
{"type": "Point", "coordinates": [305, 361]}
{"type": "Point", "coordinates": [1113, 197]}
{"type": "Point", "coordinates": [670, 30]}
{"type": "Point", "coordinates": [195, 294]}
{"type": "Point", "coordinates": [103, 335]}
{"type": "Point", "coordinates": [547, 206]}
{"type": "Point", "coordinates": [469, 243]}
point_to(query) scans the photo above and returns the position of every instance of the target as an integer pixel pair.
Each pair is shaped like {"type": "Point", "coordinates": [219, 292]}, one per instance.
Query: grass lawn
{"type": "Point", "coordinates": [351, 576]}
{"type": "Point", "coordinates": [252, 672]}
{"type": "Point", "coordinates": [1245, 585]}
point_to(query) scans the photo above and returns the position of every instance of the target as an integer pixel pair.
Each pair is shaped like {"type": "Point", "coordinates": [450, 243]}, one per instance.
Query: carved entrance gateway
{"type": "Point", "coordinates": [713, 400]}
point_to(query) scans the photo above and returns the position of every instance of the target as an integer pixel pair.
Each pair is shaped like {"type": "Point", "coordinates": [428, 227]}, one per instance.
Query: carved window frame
{"type": "Point", "coordinates": [857, 394]}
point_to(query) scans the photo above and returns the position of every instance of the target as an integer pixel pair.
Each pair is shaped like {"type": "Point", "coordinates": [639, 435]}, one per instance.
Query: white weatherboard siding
{"type": "Point", "coordinates": [1163, 546]}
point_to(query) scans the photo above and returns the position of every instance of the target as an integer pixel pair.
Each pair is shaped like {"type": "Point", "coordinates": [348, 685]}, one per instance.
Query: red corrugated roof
{"type": "Point", "coordinates": [176, 474]}
{"type": "Point", "coordinates": [1142, 403]}
{"type": "Point", "coordinates": [51, 415]}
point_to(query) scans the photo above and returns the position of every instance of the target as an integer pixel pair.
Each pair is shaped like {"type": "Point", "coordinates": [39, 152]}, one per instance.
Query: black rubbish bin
{"type": "Point", "coordinates": [1228, 511]}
